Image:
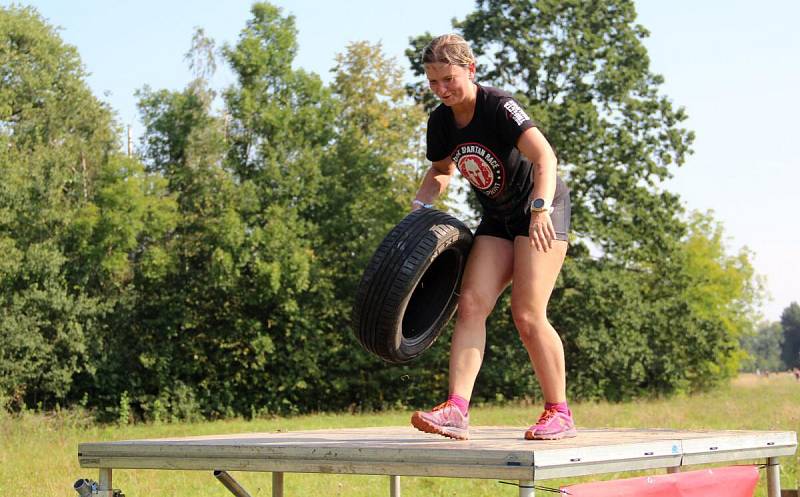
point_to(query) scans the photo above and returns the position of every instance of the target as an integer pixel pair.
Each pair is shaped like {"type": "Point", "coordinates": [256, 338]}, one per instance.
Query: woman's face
{"type": "Point", "coordinates": [452, 84]}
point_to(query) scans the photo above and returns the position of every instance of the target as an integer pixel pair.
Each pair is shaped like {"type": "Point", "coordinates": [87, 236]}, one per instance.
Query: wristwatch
{"type": "Point", "coordinates": [538, 205]}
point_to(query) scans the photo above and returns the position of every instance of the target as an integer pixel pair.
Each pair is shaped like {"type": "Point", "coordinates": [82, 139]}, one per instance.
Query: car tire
{"type": "Point", "coordinates": [409, 290]}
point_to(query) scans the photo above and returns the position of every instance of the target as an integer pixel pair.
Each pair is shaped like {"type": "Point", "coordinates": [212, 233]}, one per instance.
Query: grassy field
{"type": "Point", "coordinates": [38, 453]}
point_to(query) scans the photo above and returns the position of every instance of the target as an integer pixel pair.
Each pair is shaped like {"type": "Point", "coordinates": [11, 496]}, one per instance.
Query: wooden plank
{"type": "Point", "coordinates": [727, 446]}
{"type": "Point", "coordinates": [492, 452]}
{"type": "Point", "coordinates": [315, 466]}
{"type": "Point", "coordinates": [594, 459]}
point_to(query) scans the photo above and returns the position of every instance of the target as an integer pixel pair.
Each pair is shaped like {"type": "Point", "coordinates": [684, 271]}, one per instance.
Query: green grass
{"type": "Point", "coordinates": [38, 453]}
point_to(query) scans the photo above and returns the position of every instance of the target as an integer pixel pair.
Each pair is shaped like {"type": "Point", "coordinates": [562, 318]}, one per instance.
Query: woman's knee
{"type": "Point", "coordinates": [473, 305]}
{"type": "Point", "coordinates": [529, 322]}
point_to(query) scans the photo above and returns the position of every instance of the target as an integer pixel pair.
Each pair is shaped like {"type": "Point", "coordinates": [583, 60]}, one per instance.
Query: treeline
{"type": "Point", "coordinates": [776, 345]}
{"type": "Point", "coordinates": [213, 273]}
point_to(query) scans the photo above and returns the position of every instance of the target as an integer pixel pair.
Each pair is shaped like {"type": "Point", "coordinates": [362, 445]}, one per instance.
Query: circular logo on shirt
{"type": "Point", "coordinates": [477, 171]}
{"type": "Point", "coordinates": [480, 167]}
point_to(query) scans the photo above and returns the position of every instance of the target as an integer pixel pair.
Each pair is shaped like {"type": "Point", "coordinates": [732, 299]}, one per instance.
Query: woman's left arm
{"type": "Point", "coordinates": [538, 151]}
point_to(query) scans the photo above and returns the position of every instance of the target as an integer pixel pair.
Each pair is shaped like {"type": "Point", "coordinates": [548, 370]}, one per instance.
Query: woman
{"type": "Point", "coordinates": [522, 237]}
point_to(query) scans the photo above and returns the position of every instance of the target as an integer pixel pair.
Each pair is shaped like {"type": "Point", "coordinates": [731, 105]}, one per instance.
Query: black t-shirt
{"type": "Point", "coordinates": [485, 151]}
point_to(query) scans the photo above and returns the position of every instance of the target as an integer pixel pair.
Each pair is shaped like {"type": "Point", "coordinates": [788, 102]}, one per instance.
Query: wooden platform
{"type": "Point", "coordinates": [492, 452]}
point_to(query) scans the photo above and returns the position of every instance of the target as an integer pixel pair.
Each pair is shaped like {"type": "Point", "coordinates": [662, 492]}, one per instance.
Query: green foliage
{"type": "Point", "coordinates": [55, 138]}
{"type": "Point", "coordinates": [213, 274]}
{"type": "Point", "coordinates": [43, 328]}
{"type": "Point", "coordinates": [280, 116]}
{"type": "Point", "coordinates": [764, 349]}
{"type": "Point", "coordinates": [722, 292]}
{"type": "Point", "coordinates": [248, 303]}
{"type": "Point", "coordinates": [790, 322]}
{"type": "Point", "coordinates": [124, 411]}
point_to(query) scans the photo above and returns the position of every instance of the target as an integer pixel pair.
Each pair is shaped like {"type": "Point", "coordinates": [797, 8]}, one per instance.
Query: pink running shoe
{"type": "Point", "coordinates": [445, 419]}
{"type": "Point", "coordinates": [552, 425]}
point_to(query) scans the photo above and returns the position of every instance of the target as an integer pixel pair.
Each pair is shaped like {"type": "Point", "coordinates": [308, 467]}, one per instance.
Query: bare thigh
{"type": "Point", "coordinates": [489, 270]}
{"type": "Point", "coordinates": [535, 275]}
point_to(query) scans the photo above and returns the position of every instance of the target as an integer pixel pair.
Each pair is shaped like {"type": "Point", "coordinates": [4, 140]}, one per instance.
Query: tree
{"type": "Point", "coordinates": [764, 348]}
{"type": "Point", "coordinates": [280, 116]}
{"type": "Point", "coordinates": [722, 293]}
{"type": "Point", "coordinates": [790, 322]}
{"type": "Point", "coordinates": [53, 135]}
{"type": "Point", "coordinates": [229, 320]}
{"type": "Point", "coordinates": [74, 213]}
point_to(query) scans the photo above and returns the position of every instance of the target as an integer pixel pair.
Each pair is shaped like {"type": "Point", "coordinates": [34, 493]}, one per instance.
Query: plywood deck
{"type": "Point", "coordinates": [491, 452]}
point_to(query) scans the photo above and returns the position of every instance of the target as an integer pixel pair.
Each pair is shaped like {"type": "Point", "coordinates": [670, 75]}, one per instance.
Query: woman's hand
{"type": "Point", "coordinates": [434, 183]}
{"type": "Point", "coordinates": [541, 231]}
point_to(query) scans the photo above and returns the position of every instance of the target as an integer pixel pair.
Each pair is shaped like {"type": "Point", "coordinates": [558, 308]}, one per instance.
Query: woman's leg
{"type": "Point", "coordinates": [488, 272]}
{"type": "Point", "coordinates": [535, 275]}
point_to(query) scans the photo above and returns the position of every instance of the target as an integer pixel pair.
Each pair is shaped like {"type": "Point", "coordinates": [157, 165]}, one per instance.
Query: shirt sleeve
{"type": "Point", "coordinates": [511, 120]}
{"type": "Point", "coordinates": [435, 138]}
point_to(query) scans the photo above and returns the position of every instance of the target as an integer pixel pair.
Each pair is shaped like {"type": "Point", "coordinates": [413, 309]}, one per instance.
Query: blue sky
{"type": "Point", "coordinates": [734, 66]}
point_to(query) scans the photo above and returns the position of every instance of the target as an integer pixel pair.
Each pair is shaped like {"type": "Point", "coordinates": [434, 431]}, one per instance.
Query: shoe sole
{"type": "Point", "coordinates": [529, 435]}
{"type": "Point", "coordinates": [454, 433]}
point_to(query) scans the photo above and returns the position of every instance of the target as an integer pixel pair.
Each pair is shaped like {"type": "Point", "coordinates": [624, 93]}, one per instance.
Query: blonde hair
{"type": "Point", "coordinates": [448, 49]}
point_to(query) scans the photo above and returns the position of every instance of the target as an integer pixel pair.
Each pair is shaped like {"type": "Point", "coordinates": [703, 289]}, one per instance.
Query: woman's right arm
{"type": "Point", "coordinates": [434, 183]}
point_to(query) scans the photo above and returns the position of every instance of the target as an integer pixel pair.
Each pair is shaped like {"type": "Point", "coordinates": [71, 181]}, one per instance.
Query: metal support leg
{"type": "Point", "coordinates": [104, 488]}
{"type": "Point", "coordinates": [526, 488]}
{"type": "Point", "coordinates": [277, 484]}
{"type": "Point", "coordinates": [231, 484]}
{"type": "Point", "coordinates": [773, 477]}
{"type": "Point", "coordinates": [394, 486]}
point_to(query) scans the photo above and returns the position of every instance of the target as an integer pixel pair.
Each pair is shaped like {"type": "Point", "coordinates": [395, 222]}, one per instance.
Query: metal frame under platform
{"type": "Point", "coordinates": [491, 453]}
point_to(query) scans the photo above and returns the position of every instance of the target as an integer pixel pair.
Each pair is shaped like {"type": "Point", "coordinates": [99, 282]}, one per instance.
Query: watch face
{"type": "Point", "coordinates": [538, 203]}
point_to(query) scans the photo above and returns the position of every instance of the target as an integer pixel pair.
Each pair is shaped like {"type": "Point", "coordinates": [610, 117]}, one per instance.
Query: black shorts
{"type": "Point", "coordinates": [514, 226]}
